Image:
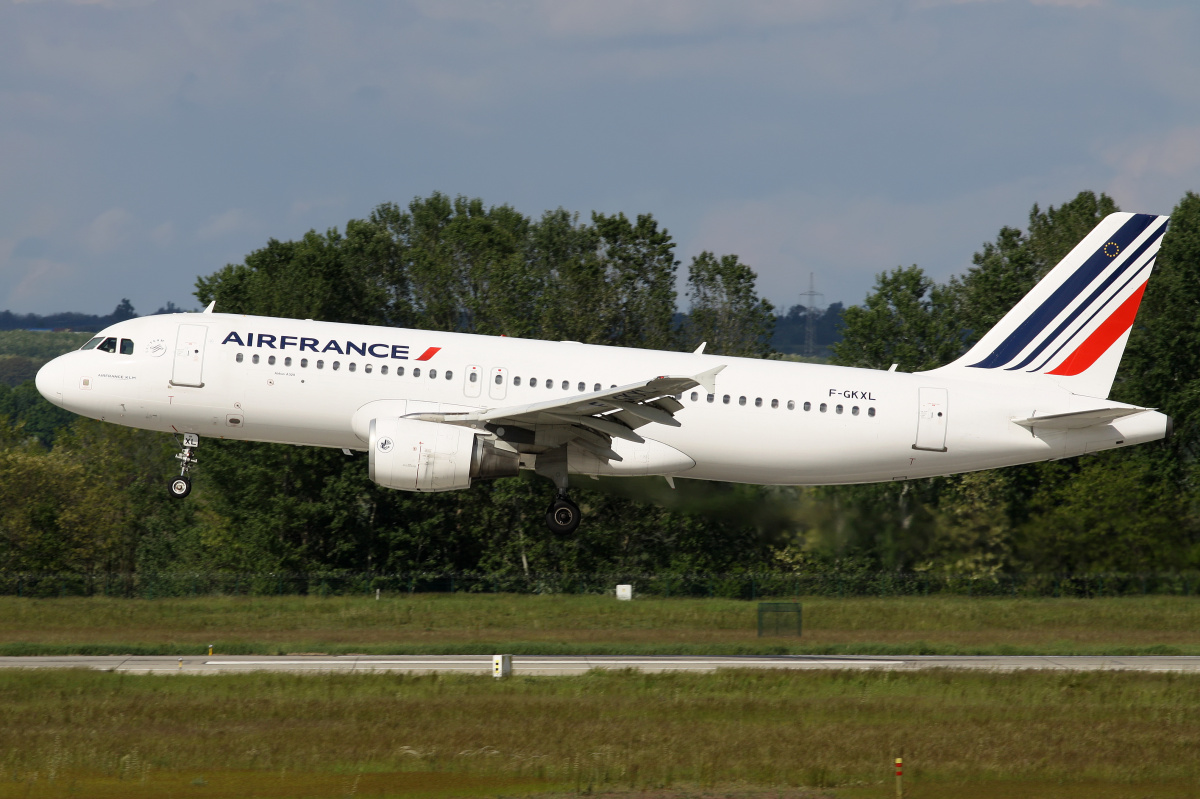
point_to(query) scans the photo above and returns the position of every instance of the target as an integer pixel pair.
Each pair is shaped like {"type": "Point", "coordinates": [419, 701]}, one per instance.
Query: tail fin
{"type": "Point", "coordinates": [1073, 326]}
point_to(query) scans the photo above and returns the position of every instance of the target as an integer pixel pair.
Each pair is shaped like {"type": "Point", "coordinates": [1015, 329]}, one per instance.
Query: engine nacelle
{"type": "Point", "coordinates": [427, 456]}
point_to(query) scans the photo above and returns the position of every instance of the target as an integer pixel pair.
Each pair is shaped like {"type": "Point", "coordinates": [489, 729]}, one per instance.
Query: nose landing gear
{"type": "Point", "coordinates": [181, 486]}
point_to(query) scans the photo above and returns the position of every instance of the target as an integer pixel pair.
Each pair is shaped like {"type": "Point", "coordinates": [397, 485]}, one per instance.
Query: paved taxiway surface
{"type": "Point", "coordinates": [561, 665]}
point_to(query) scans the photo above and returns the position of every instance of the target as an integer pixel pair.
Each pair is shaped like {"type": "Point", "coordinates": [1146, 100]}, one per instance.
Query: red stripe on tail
{"type": "Point", "coordinates": [1102, 337]}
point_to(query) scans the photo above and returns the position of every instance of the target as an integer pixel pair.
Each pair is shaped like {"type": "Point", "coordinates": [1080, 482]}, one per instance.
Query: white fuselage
{"type": "Point", "coordinates": [768, 422]}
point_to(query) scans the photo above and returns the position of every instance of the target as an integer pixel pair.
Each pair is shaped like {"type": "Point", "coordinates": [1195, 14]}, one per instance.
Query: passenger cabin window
{"type": "Point", "coordinates": [741, 400]}
{"type": "Point", "coordinates": [417, 372]}
{"type": "Point", "coordinates": [320, 364]}
{"type": "Point", "coordinates": [304, 363]}
{"type": "Point", "coordinates": [399, 371]}
{"type": "Point", "coordinates": [854, 410]}
{"type": "Point", "coordinates": [287, 361]}
{"type": "Point", "coordinates": [254, 358]}
{"type": "Point", "coordinates": [383, 369]}
{"type": "Point", "coordinates": [91, 345]}
{"type": "Point", "coordinates": [774, 403]}
{"type": "Point", "coordinates": [109, 345]}
{"type": "Point", "coordinates": [499, 379]}
{"type": "Point", "coordinates": [758, 402]}
{"type": "Point", "coordinates": [870, 411]}
{"type": "Point", "coordinates": [596, 387]}
{"type": "Point", "coordinates": [239, 357]}
{"type": "Point", "coordinates": [270, 360]}
{"type": "Point", "coordinates": [824, 407]}
{"type": "Point", "coordinates": [516, 380]}
{"type": "Point", "coordinates": [533, 382]}
{"type": "Point", "coordinates": [838, 409]}
{"type": "Point", "coordinates": [126, 346]}
{"type": "Point", "coordinates": [449, 375]}
{"type": "Point", "coordinates": [432, 373]}
{"type": "Point", "coordinates": [807, 406]}
{"type": "Point", "coordinates": [725, 399]}
{"type": "Point", "coordinates": [792, 405]}
{"type": "Point", "coordinates": [695, 396]}
{"type": "Point", "coordinates": [352, 367]}
{"type": "Point", "coordinates": [712, 397]}
{"type": "Point", "coordinates": [474, 377]}
{"type": "Point", "coordinates": [566, 385]}
{"type": "Point", "coordinates": [367, 368]}
{"type": "Point", "coordinates": [582, 387]}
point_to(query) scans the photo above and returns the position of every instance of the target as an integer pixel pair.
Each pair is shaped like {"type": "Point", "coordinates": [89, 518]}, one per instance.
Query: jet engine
{"type": "Point", "coordinates": [410, 455]}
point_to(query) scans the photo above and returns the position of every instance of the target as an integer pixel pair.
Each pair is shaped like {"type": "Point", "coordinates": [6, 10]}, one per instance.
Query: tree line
{"type": "Point", "coordinates": [78, 495]}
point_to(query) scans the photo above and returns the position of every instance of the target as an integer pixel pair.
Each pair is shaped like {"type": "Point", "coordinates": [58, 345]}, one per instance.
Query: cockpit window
{"type": "Point", "coordinates": [109, 344]}
{"type": "Point", "coordinates": [91, 345]}
{"type": "Point", "coordinates": [126, 346]}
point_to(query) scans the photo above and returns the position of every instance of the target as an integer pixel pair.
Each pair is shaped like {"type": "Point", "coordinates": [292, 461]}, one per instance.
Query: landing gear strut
{"type": "Point", "coordinates": [562, 517]}
{"type": "Point", "coordinates": [181, 486]}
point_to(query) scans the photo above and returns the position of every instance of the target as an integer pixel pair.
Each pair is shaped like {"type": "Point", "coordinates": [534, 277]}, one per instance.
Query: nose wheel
{"type": "Point", "coordinates": [562, 517]}
{"type": "Point", "coordinates": [181, 486]}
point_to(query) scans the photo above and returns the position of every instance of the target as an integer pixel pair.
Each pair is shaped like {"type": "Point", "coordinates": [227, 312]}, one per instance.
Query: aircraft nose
{"type": "Point", "coordinates": [49, 381]}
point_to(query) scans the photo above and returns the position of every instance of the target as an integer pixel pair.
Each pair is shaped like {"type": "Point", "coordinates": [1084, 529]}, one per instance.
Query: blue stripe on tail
{"type": "Point", "coordinates": [1071, 288]}
{"type": "Point", "coordinates": [1083, 306]}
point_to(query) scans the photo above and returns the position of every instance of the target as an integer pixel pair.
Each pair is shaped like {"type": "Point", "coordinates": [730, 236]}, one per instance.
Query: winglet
{"type": "Point", "coordinates": [210, 307]}
{"type": "Point", "coordinates": [708, 380]}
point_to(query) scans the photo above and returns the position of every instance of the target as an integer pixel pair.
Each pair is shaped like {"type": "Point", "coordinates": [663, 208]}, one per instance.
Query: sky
{"type": "Point", "coordinates": [146, 142]}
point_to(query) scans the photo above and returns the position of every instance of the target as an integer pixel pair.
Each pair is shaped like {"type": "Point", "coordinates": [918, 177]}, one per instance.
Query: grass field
{"type": "Point", "coordinates": [558, 624]}
{"type": "Point", "coordinates": [733, 733]}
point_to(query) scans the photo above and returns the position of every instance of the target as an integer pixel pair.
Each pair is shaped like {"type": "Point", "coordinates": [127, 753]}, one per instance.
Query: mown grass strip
{"type": "Point", "coordinates": [561, 625]}
{"type": "Point", "coordinates": [1044, 733]}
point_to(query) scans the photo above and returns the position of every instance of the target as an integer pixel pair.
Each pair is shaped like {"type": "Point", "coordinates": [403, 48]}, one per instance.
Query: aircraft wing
{"type": "Point", "coordinates": [598, 416]}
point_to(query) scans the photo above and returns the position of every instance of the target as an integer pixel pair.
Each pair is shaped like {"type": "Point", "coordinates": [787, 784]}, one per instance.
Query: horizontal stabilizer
{"type": "Point", "coordinates": [1078, 419]}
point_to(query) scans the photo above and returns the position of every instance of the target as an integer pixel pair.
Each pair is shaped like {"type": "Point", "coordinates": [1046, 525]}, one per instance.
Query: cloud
{"type": "Point", "coordinates": [302, 208]}
{"type": "Point", "coordinates": [40, 284]}
{"type": "Point", "coordinates": [847, 241]}
{"type": "Point", "coordinates": [230, 222]}
{"type": "Point", "coordinates": [108, 231]}
{"type": "Point", "coordinates": [163, 235]}
{"type": "Point", "coordinates": [1150, 166]}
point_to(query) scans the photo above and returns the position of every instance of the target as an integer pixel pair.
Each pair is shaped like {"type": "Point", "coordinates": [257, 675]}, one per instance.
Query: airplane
{"type": "Point", "coordinates": [436, 411]}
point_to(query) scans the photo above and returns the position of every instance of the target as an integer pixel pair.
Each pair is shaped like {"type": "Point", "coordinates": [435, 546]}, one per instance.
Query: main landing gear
{"type": "Point", "coordinates": [181, 486]}
{"type": "Point", "coordinates": [562, 517]}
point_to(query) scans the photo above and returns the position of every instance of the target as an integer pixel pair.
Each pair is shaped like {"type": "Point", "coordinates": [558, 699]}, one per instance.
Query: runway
{"type": "Point", "coordinates": [566, 666]}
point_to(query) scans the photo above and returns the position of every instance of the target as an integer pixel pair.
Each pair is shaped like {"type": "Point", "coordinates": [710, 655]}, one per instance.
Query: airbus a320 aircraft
{"type": "Point", "coordinates": [436, 411]}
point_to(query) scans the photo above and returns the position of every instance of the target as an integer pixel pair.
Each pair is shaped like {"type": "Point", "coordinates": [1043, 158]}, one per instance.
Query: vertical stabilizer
{"type": "Point", "coordinates": [1073, 326]}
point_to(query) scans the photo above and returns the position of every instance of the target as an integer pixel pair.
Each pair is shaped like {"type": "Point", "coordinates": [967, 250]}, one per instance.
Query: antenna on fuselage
{"type": "Point", "coordinates": [210, 307]}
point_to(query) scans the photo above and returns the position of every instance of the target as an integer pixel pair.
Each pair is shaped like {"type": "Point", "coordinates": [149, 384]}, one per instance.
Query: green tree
{"type": "Point", "coordinates": [1161, 367]}
{"type": "Point", "coordinates": [726, 311]}
{"type": "Point", "coordinates": [1115, 514]}
{"type": "Point", "coordinates": [639, 262]}
{"type": "Point", "coordinates": [1006, 269]}
{"type": "Point", "coordinates": [904, 321]}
